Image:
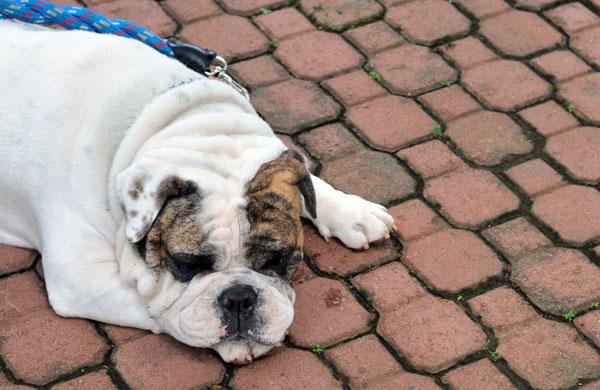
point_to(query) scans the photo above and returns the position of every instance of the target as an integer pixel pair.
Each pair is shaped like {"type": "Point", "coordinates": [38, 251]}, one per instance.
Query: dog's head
{"type": "Point", "coordinates": [214, 267]}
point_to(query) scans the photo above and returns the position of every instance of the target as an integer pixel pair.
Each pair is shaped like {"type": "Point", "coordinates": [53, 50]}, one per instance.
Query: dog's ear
{"type": "Point", "coordinates": [143, 191]}
{"type": "Point", "coordinates": [305, 184]}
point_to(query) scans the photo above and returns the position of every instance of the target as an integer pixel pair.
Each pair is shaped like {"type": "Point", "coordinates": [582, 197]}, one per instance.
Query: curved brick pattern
{"type": "Point", "coordinates": [388, 180]}
{"type": "Point", "coordinates": [484, 8]}
{"type": "Point", "coordinates": [548, 118]}
{"type": "Point", "coordinates": [258, 72]}
{"type": "Point", "coordinates": [281, 370]}
{"type": "Point", "coordinates": [391, 122]}
{"type": "Point", "coordinates": [496, 84]}
{"type": "Point", "coordinates": [216, 33]}
{"type": "Point", "coordinates": [572, 211]}
{"type": "Point", "coordinates": [284, 23]}
{"type": "Point", "coordinates": [95, 381]}
{"type": "Point", "coordinates": [573, 17]}
{"type": "Point", "coordinates": [292, 105]}
{"type": "Point", "coordinates": [586, 44]}
{"type": "Point", "coordinates": [589, 324]}
{"type": "Point", "coordinates": [515, 237]}
{"type": "Point", "coordinates": [584, 94]}
{"type": "Point", "coordinates": [160, 362]}
{"type": "Point", "coordinates": [535, 177]}
{"type": "Point", "coordinates": [561, 64]}
{"type": "Point", "coordinates": [20, 294]}
{"type": "Point", "coordinates": [248, 7]}
{"type": "Point", "coordinates": [318, 55]}
{"type": "Point", "coordinates": [427, 21]}
{"type": "Point", "coordinates": [549, 355]}
{"type": "Point", "coordinates": [14, 259]}
{"type": "Point", "coordinates": [353, 88]}
{"type": "Point", "coordinates": [402, 381]}
{"type": "Point", "coordinates": [468, 52]}
{"type": "Point", "coordinates": [374, 37]}
{"type": "Point", "coordinates": [579, 151]}
{"type": "Point", "coordinates": [476, 376]}
{"type": "Point", "coordinates": [332, 256]}
{"type": "Point", "coordinates": [449, 103]}
{"type": "Point", "coordinates": [187, 11]}
{"type": "Point", "coordinates": [431, 159]}
{"type": "Point", "coordinates": [146, 13]}
{"type": "Point", "coordinates": [415, 220]}
{"type": "Point", "coordinates": [519, 33]}
{"type": "Point", "coordinates": [557, 279]}
{"type": "Point", "coordinates": [488, 138]}
{"type": "Point", "coordinates": [325, 312]}
{"type": "Point", "coordinates": [122, 335]}
{"type": "Point", "coordinates": [389, 287]}
{"type": "Point", "coordinates": [42, 346]}
{"type": "Point", "coordinates": [467, 261]}
{"type": "Point", "coordinates": [338, 14]}
{"type": "Point", "coordinates": [330, 142]}
{"type": "Point", "coordinates": [432, 333]}
{"type": "Point", "coordinates": [411, 69]}
{"type": "Point", "coordinates": [470, 197]}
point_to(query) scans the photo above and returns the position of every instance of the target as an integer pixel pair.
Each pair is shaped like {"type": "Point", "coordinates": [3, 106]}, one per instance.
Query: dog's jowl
{"type": "Point", "coordinates": [158, 198]}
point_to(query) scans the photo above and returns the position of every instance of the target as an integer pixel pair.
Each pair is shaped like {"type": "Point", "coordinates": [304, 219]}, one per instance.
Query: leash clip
{"type": "Point", "coordinates": [220, 71]}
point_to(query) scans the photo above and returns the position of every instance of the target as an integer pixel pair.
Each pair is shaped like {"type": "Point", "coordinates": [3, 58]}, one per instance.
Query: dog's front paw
{"type": "Point", "coordinates": [356, 222]}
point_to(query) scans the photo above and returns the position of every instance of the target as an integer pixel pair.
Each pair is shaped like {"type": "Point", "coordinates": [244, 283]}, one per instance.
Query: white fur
{"type": "Point", "coordinates": [84, 115]}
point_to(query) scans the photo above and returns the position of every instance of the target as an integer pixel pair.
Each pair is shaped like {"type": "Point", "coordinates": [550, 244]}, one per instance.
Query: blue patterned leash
{"type": "Point", "coordinates": [41, 12]}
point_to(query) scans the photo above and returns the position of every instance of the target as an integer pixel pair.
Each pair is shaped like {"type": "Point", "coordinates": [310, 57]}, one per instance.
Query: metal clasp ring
{"type": "Point", "coordinates": [219, 70]}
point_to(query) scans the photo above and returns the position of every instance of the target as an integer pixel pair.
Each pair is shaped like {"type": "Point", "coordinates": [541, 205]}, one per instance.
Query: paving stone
{"type": "Point", "coordinates": [374, 37]}
{"type": "Point", "coordinates": [573, 17]}
{"type": "Point", "coordinates": [388, 180]}
{"type": "Point", "coordinates": [488, 138]}
{"type": "Point", "coordinates": [233, 37]}
{"type": "Point", "coordinates": [589, 324]}
{"type": "Point", "coordinates": [391, 122]}
{"type": "Point", "coordinates": [548, 118]}
{"type": "Point", "coordinates": [411, 69]}
{"type": "Point", "coordinates": [281, 370]}
{"type": "Point", "coordinates": [292, 105]}
{"type": "Point", "coordinates": [535, 177]}
{"type": "Point", "coordinates": [14, 259]}
{"type": "Point", "coordinates": [586, 44]}
{"type": "Point", "coordinates": [258, 72]}
{"type": "Point", "coordinates": [449, 103]}
{"type": "Point", "coordinates": [584, 93]}
{"type": "Point", "coordinates": [494, 83]}
{"type": "Point", "coordinates": [414, 220]}
{"type": "Point", "coordinates": [389, 287]}
{"type": "Point", "coordinates": [431, 159]}
{"type": "Point", "coordinates": [98, 380]}
{"type": "Point", "coordinates": [519, 33]}
{"type": "Point", "coordinates": [146, 13]}
{"type": "Point", "coordinates": [334, 257]}
{"type": "Point", "coordinates": [557, 279]}
{"type": "Point", "coordinates": [284, 23]}
{"type": "Point", "coordinates": [20, 294]}
{"type": "Point", "coordinates": [359, 367]}
{"type": "Point", "coordinates": [403, 381]}
{"type": "Point", "coordinates": [549, 356]}
{"type": "Point", "coordinates": [561, 64]}
{"type": "Point", "coordinates": [5, 384]}
{"type": "Point", "coordinates": [482, 9]}
{"type": "Point", "coordinates": [534, 5]}
{"type": "Point", "coordinates": [325, 312]}
{"type": "Point", "coordinates": [318, 55]}
{"type": "Point", "coordinates": [503, 310]}
{"type": "Point", "coordinates": [160, 362]}
{"type": "Point", "coordinates": [187, 11]}
{"type": "Point", "coordinates": [42, 346]}
{"type": "Point", "coordinates": [249, 7]}
{"type": "Point", "coordinates": [571, 211]}
{"type": "Point", "coordinates": [338, 14]}
{"type": "Point", "coordinates": [468, 52]}
{"type": "Point", "coordinates": [355, 87]}
{"type": "Point", "coordinates": [428, 21]}
{"type": "Point", "coordinates": [515, 237]}
{"type": "Point", "coordinates": [330, 142]}
{"type": "Point", "coordinates": [432, 333]}
{"type": "Point", "coordinates": [476, 376]}
{"type": "Point", "coordinates": [122, 335]}
{"type": "Point", "coordinates": [303, 274]}
{"type": "Point", "coordinates": [467, 261]}
{"type": "Point", "coordinates": [470, 197]}
{"type": "Point", "coordinates": [579, 151]}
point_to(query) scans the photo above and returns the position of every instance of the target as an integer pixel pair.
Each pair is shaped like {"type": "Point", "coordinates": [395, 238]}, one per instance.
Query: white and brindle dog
{"type": "Point", "coordinates": [158, 198]}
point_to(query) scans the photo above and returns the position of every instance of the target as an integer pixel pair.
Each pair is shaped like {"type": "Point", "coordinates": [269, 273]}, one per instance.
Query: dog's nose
{"type": "Point", "coordinates": [238, 300]}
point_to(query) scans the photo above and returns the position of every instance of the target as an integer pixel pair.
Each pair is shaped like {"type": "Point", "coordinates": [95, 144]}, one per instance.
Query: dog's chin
{"type": "Point", "coordinates": [244, 352]}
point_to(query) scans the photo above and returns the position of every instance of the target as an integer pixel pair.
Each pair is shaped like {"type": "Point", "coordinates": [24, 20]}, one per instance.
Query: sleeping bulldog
{"type": "Point", "coordinates": [157, 197]}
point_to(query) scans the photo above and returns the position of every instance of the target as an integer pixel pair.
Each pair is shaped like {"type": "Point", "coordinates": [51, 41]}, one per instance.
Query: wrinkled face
{"type": "Point", "coordinates": [222, 281]}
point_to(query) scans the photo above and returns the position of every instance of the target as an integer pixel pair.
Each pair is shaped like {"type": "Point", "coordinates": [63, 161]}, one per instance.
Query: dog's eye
{"type": "Point", "coordinates": [276, 261]}
{"type": "Point", "coordinates": [190, 265]}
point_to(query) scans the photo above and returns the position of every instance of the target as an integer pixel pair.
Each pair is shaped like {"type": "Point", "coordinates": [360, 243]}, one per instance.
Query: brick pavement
{"type": "Point", "coordinates": [474, 120]}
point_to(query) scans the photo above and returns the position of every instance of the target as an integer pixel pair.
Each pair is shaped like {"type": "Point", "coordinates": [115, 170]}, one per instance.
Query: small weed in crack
{"type": "Point", "coordinates": [568, 316]}
{"type": "Point", "coordinates": [436, 130]}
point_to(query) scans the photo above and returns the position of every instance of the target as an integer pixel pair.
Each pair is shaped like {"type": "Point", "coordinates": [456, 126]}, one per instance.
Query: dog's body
{"type": "Point", "coordinates": [153, 193]}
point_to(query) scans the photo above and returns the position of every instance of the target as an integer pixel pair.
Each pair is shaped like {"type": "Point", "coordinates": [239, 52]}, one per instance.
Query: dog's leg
{"type": "Point", "coordinates": [353, 220]}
